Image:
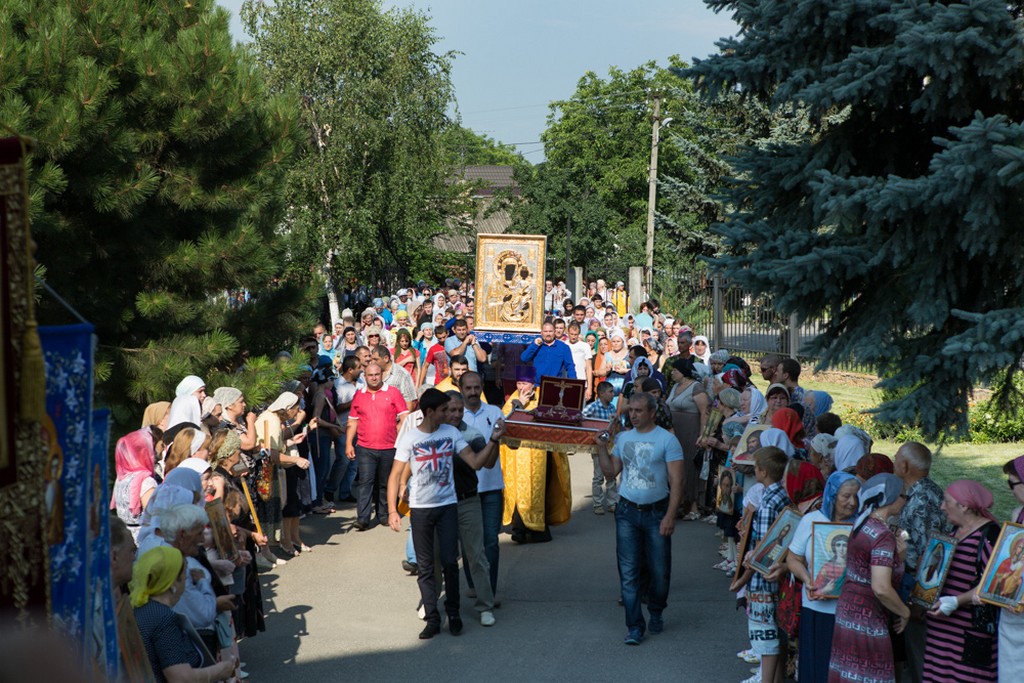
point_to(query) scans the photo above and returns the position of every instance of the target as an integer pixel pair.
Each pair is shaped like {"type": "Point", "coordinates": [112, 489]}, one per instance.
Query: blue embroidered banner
{"type": "Point", "coordinates": [506, 337]}
{"type": "Point", "coordinates": [101, 619]}
{"type": "Point", "coordinates": [77, 496]}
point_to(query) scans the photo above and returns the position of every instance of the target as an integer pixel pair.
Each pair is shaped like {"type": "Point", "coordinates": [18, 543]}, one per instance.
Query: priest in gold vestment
{"type": "Point", "coordinates": [538, 490]}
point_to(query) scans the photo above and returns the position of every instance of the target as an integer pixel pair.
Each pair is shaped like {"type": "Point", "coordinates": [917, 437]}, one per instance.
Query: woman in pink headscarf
{"type": "Point", "coordinates": [134, 462]}
{"type": "Point", "coordinates": [956, 650]}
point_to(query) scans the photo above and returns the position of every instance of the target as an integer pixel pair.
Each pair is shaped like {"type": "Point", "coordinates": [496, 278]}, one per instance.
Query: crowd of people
{"type": "Point", "coordinates": [397, 412]}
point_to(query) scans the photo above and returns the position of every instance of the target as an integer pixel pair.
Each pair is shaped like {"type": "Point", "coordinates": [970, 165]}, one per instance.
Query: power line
{"type": "Point", "coordinates": [558, 102]}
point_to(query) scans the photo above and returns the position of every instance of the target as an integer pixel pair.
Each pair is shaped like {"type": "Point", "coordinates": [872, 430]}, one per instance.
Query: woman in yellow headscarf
{"type": "Point", "coordinates": [158, 582]}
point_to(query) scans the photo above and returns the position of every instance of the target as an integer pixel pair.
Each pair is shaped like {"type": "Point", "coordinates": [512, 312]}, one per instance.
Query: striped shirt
{"type": "Point", "coordinates": [948, 635]}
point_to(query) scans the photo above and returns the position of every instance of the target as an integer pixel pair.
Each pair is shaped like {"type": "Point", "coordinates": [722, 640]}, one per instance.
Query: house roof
{"type": "Point", "coordinates": [490, 178]}
{"type": "Point", "coordinates": [487, 179]}
{"type": "Point", "coordinates": [463, 241]}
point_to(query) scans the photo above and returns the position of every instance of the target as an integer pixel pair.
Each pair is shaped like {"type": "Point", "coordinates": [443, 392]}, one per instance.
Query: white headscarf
{"type": "Point", "coordinates": [704, 357]}
{"type": "Point", "coordinates": [852, 445]}
{"type": "Point", "coordinates": [189, 385]}
{"type": "Point", "coordinates": [777, 437]}
{"type": "Point", "coordinates": [185, 408]}
{"type": "Point", "coordinates": [757, 404]}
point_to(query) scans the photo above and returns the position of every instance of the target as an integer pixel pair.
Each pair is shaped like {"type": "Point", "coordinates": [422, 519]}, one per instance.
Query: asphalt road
{"type": "Point", "coordinates": [346, 611]}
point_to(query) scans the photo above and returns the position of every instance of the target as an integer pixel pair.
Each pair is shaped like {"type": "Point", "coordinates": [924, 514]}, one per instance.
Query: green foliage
{"type": "Point", "coordinates": [372, 187]}
{"type": "Point", "coordinates": [598, 146]}
{"type": "Point", "coordinates": [155, 183]}
{"type": "Point", "coordinates": [997, 419]}
{"type": "Point", "coordinates": [259, 379]}
{"type": "Point", "coordinates": [469, 148]}
{"type": "Point", "coordinates": [898, 215]}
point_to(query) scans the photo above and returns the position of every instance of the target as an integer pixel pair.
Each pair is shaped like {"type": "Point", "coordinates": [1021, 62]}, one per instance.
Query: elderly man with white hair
{"type": "Point", "coordinates": [182, 527]}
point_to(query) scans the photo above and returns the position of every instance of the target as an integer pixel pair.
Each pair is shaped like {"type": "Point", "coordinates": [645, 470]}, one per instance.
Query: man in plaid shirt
{"type": "Point", "coordinates": [762, 594]}
{"type": "Point", "coordinates": [604, 493]}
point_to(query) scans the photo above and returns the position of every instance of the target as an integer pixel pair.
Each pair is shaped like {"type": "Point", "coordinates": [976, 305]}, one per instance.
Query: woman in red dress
{"type": "Point", "coordinates": [861, 647]}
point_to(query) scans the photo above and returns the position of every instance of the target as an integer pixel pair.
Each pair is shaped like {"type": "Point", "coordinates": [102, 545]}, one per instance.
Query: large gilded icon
{"type": "Point", "coordinates": [510, 283]}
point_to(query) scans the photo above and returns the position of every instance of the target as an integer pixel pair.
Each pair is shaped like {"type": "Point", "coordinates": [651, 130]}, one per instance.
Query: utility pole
{"type": "Point", "coordinates": [652, 194]}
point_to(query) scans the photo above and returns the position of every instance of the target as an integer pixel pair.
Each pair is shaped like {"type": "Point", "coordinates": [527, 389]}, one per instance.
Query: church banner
{"type": "Point", "coordinates": [77, 527]}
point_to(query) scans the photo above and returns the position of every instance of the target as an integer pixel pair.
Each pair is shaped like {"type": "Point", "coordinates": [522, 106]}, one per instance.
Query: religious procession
{"type": "Point", "coordinates": [344, 340]}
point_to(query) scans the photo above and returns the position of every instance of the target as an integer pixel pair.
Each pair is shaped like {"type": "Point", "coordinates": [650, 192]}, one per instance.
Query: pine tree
{"type": "Point", "coordinates": [899, 217]}
{"type": "Point", "coordinates": [155, 183]}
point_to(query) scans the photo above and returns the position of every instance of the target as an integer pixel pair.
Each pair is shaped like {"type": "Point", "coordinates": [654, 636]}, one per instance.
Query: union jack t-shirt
{"type": "Point", "coordinates": [431, 457]}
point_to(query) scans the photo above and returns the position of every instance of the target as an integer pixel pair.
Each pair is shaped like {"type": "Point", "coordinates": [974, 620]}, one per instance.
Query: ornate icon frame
{"type": "Point", "coordinates": [491, 287]}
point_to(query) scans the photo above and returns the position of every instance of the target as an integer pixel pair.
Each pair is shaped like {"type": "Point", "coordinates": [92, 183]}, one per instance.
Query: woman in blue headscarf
{"type": "Point", "coordinates": [817, 615]}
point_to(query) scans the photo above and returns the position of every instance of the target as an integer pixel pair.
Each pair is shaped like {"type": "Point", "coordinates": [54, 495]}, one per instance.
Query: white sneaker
{"type": "Point", "coordinates": [723, 565]}
{"type": "Point", "coordinates": [486, 619]}
{"type": "Point", "coordinates": [756, 678]}
{"type": "Point", "coordinates": [748, 656]}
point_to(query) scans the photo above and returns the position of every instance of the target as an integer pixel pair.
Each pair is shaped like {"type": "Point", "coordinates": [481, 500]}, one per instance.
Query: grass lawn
{"type": "Point", "coordinates": [981, 462]}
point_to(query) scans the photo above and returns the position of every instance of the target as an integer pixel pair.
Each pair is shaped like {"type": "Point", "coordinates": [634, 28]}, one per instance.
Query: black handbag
{"type": "Point", "coordinates": [985, 617]}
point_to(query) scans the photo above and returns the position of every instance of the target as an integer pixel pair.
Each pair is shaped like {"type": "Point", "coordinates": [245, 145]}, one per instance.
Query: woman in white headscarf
{"type": "Point", "coordinates": [702, 349]}
{"type": "Point", "coordinates": [852, 445]}
{"type": "Point", "coordinates": [188, 402]}
{"type": "Point", "coordinates": [777, 437]}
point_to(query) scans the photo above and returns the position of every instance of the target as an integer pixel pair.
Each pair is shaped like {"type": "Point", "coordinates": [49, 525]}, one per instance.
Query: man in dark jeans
{"type": "Point", "coordinates": [376, 412]}
{"type": "Point", "coordinates": [425, 457]}
{"type": "Point", "coordinates": [650, 460]}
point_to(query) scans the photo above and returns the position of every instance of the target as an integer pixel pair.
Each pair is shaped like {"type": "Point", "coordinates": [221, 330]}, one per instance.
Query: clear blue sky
{"type": "Point", "coordinates": [518, 56]}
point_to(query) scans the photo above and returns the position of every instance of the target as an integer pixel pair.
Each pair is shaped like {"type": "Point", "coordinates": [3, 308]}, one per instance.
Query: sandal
{"type": "Point", "coordinates": [301, 548]}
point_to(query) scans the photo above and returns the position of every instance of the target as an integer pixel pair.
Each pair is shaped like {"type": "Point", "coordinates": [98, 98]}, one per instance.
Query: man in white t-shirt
{"type": "Point", "coordinates": [581, 355]}
{"type": "Point", "coordinates": [424, 459]}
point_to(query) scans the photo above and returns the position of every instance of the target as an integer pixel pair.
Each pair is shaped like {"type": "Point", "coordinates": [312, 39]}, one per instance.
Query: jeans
{"type": "Point", "coordinates": [474, 561]}
{"type": "Point", "coordinates": [320, 442]}
{"type": "Point", "coordinates": [372, 488]}
{"type": "Point", "coordinates": [492, 507]}
{"type": "Point", "coordinates": [410, 550]}
{"type": "Point", "coordinates": [638, 542]}
{"type": "Point", "coordinates": [444, 521]}
{"type": "Point", "coordinates": [604, 495]}
{"type": "Point", "coordinates": [340, 469]}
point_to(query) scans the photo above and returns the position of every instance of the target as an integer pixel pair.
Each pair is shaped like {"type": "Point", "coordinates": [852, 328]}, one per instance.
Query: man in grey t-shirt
{"type": "Point", "coordinates": [651, 462]}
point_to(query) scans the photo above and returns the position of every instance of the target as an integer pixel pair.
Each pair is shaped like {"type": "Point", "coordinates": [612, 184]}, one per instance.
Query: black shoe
{"type": "Point", "coordinates": [410, 567]}
{"type": "Point", "coordinates": [360, 525]}
{"type": "Point", "coordinates": [455, 625]}
{"type": "Point", "coordinates": [429, 631]}
{"type": "Point", "coordinates": [519, 538]}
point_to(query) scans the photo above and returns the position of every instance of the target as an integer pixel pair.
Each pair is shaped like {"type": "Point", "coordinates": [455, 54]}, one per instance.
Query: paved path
{"type": "Point", "coordinates": [345, 611]}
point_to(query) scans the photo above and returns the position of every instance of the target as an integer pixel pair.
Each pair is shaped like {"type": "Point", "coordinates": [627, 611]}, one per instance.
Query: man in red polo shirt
{"type": "Point", "coordinates": [376, 413]}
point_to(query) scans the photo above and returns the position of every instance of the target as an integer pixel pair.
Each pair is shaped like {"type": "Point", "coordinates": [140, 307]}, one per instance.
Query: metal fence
{"type": "Point", "coordinates": [733, 318]}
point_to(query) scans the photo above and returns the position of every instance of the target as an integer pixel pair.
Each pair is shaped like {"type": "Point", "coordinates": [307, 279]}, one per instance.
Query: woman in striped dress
{"type": "Point", "coordinates": [955, 650]}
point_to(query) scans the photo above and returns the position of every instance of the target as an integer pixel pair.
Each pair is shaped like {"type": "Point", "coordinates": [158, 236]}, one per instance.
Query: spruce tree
{"type": "Point", "coordinates": [898, 217]}
{"type": "Point", "coordinates": [155, 183]}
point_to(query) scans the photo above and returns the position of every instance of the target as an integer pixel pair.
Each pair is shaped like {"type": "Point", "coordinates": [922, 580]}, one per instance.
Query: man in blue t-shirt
{"type": "Point", "coordinates": [651, 462]}
{"type": "Point", "coordinates": [550, 356]}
